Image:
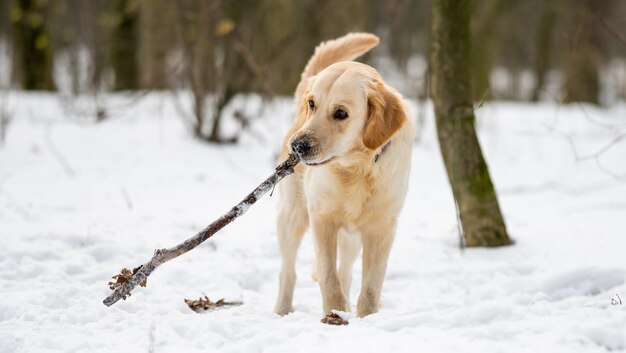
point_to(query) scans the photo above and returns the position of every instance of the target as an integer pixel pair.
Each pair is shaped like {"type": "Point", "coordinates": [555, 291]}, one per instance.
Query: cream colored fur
{"type": "Point", "coordinates": [349, 201]}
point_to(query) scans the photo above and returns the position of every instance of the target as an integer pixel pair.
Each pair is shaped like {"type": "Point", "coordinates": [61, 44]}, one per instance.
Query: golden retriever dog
{"type": "Point", "coordinates": [354, 141]}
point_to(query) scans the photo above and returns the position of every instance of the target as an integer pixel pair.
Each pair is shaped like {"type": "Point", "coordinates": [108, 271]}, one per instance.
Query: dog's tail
{"type": "Point", "coordinates": [348, 47]}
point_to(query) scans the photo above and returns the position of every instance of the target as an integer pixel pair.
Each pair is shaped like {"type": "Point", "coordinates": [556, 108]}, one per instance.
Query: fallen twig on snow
{"type": "Point", "coordinates": [334, 319]}
{"type": "Point", "coordinates": [205, 304]}
{"type": "Point", "coordinates": [124, 276]}
{"type": "Point", "coordinates": [127, 280]}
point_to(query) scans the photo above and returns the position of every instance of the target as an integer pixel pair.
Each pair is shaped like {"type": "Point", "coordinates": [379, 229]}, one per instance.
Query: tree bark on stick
{"type": "Point", "coordinates": [163, 255]}
{"type": "Point", "coordinates": [480, 215]}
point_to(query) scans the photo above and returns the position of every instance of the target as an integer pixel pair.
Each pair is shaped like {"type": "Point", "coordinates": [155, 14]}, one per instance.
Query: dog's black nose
{"type": "Point", "coordinates": [301, 146]}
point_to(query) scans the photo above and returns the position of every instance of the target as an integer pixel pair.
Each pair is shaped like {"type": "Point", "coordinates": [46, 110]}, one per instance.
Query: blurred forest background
{"type": "Point", "coordinates": [530, 50]}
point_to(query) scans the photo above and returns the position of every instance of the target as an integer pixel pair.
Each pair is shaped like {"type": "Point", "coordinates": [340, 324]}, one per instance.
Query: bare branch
{"type": "Point", "coordinates": [598, 123]}
{"type": "Point", "coordinates": [598, 153]}
{"type": "Point", "coordinates": [253, 65]}
{"type": "Point", "coordinates": [593, 156]}
{"type": "Point", "coordinates": [163, 255]}
{"type": "Point", "coordinates": [58, 156]}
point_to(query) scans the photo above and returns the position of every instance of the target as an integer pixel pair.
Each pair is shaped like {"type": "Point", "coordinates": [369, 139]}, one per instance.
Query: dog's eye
{"type": "Point", "coordinates": [311, 104]}
{"type": "Point", "coordinates": [340, 114]}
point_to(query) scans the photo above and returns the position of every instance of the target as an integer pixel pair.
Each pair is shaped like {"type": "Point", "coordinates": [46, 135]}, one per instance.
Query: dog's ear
{"type": "Point", "coordinates": [386, 115]}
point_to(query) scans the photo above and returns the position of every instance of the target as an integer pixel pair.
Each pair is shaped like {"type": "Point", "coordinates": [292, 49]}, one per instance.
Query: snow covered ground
{"type": "Point", "coordinates": [79, 201]}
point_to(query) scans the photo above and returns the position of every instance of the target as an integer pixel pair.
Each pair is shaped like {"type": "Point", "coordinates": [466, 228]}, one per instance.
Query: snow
{"type": "Point", "coordinates": [80, 200]}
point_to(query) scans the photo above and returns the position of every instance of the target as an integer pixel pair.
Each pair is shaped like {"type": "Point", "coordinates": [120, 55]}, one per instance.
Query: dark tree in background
{"type": "Point", "coordinates": [32, 51]}
{"type": "Point", "coordinates": [582, 81]}
{"type": "Point", "coordinates": [543, 38]}
{"type": "Point", "coordinates": [481, 219]}
{"type": "Point", "coordinates": [154, 38]}
{"type": "Point", "coordinates": [485, 34]}
{"type": "Point", "coordinates": [5, 8]}
{"type": "Point", "coordinates": [124, 44]}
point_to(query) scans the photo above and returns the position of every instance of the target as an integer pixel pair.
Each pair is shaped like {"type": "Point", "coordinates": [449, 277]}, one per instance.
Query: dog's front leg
{"type": "Point", "coordinates": [377, 241]}
{"type": "Point", "coordinates": [292, 222]}
{"type": "Point", "coordinates": [325, 234]}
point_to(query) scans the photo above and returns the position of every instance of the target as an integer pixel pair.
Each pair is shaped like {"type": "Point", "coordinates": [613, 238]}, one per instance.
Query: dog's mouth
{"type": "Point", "coordinates": [313, 164]}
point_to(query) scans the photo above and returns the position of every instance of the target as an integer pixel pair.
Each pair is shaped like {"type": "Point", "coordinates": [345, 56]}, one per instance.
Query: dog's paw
{"type": "Point", "coordinates": [334, 319]}
{"type": "Point", "coordinates": [283, 310]}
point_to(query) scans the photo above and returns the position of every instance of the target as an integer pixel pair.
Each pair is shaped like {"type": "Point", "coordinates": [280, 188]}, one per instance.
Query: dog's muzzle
{"type": "Point", "coordinates": [302, 146]}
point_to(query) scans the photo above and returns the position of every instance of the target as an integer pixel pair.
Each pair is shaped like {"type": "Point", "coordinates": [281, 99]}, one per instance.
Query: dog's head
{"type": "Point", "coordinates": [345, 108]}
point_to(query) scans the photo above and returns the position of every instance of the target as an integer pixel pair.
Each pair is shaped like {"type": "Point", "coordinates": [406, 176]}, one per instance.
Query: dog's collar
{"type": "Point", "coordinates": [382, 150]}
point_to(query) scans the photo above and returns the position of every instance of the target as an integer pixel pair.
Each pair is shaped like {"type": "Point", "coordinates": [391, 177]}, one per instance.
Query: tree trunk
{"type": "Point", "coordinates": [582, 81]}
{"type": "Point", "coordinates": [220, 104]}
{"type": "Point", "coordinates": [543, 38]}
{"type": "Point", "coordinates": [5, 8]}
{"type": "Point", "coordinates": [124, 46]}
{"type": "Point", "coordinates": [153, 44]}
{"type": "Point", "coordinates": [33, 56]}
{"type": "Point", "coordinates": [482, 54]}
{"type": "Point", "coordinates": [481, 220]}
{"type": "Point", "coordinates": [198, 44]}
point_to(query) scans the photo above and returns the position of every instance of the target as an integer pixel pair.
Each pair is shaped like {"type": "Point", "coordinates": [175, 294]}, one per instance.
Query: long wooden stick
{"type": "Point", "coordinates": [163, 255]}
